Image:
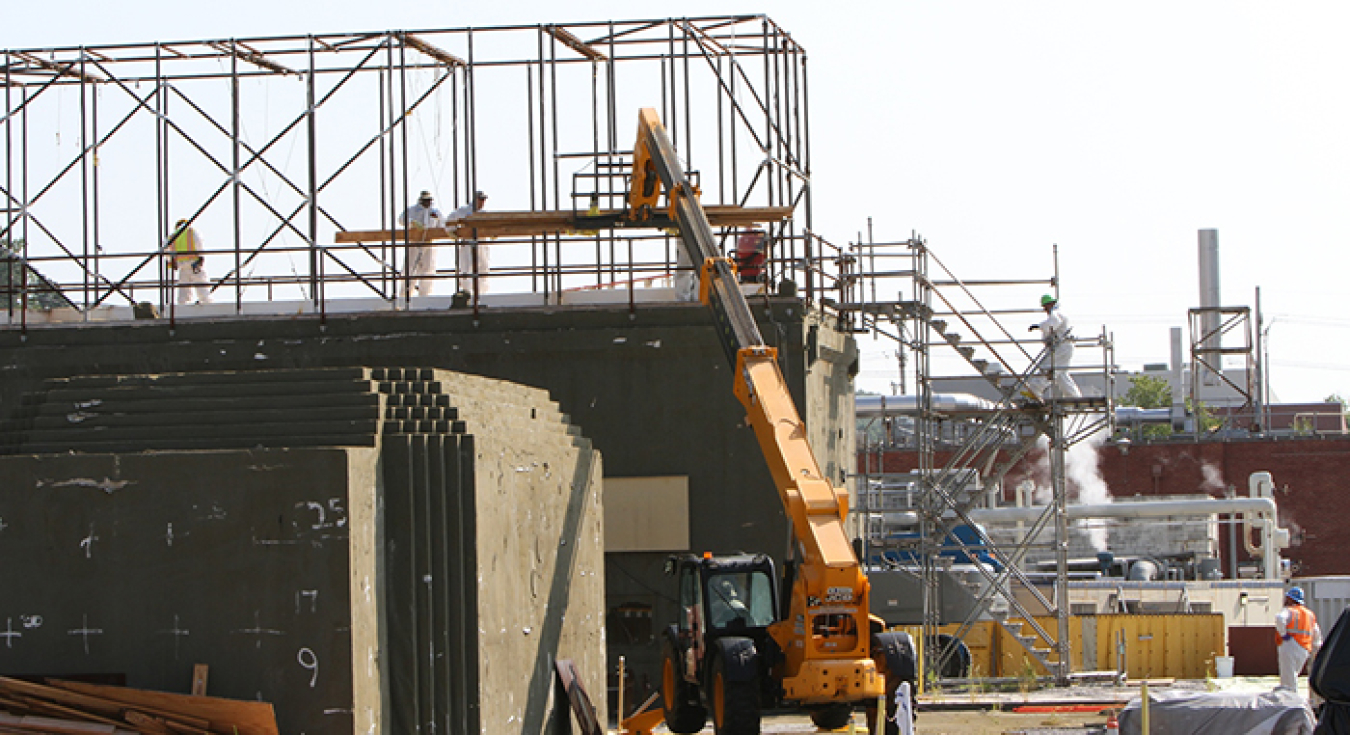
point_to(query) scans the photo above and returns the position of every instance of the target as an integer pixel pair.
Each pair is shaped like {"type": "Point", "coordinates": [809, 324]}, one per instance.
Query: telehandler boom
{"type": "Point", "coordinates": [822, 650]}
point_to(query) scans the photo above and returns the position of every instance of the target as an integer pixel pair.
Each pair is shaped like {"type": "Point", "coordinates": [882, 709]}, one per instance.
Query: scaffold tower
{"type": "Point", "coordinates": [945, 330]}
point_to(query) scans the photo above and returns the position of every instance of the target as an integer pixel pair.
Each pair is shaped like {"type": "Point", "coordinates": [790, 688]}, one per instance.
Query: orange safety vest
{"type": "Point", "coordinates": [1300, 626]}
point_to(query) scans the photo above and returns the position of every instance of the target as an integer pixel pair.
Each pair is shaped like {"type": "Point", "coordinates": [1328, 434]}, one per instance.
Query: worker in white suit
{"type": "Point", "coordinates": [1057, 334]}
{"type": "Point", "coordinates": [188, 261]}
{"type": "Point", "coordinates": [420, 218]}
{"type": "Point", "coordinates": [472, 256]}
{"type": "Point", "coordinates": [1299, 637]}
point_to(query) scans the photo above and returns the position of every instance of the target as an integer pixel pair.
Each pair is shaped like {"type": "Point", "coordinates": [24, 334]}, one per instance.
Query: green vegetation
{"type": "Point", "coordinates": [1147, 391]}
{"type": "Point", "coordinates": [1336, 398]}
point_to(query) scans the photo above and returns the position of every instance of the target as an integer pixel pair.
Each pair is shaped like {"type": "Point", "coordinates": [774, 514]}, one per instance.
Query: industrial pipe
{"type": "Point", "coordinates": [871, 406]}
{"type": "Point", "coordinates": [1260, 512]}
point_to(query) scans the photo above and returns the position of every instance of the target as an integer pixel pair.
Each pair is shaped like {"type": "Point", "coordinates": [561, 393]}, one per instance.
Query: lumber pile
{"type": "Point", "coordinates": [74, 708]}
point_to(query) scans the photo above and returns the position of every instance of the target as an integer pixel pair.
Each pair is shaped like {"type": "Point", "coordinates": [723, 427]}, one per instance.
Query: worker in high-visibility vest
{"type": "Point", "coordinates": [188, 260]}
{"type": "Point", "coordinates": [1299, 637]}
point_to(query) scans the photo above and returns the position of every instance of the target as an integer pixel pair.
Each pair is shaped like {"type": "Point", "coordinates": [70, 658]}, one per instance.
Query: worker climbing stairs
{"type": "Point", "coordinates": [940, 321]}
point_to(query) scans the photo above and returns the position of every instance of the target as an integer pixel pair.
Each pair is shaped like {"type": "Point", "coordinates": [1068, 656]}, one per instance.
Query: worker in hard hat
{"type": "Point", "coordinates": [421, 269]}
{"type": "Point", "coordinates": [188, 261]}
{"type": "Point", "coordinates": [472, 256]}
{"type": "Point", "coordinates": [726, 604]}
{"type": "Point", "coordinates": [1057, 335]}
{"type": "Point", "coordinates": [1298, 637]}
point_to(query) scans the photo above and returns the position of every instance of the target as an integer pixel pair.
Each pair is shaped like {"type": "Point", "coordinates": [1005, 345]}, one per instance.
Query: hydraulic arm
{"type": "Point", "coordinates": [825, 638]}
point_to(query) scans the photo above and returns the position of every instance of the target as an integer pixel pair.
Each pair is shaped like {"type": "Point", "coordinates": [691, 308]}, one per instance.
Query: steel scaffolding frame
{"type": "Point", "coordinates": [170, 130]}
{"type": "Point", "coordinates": [930, 299]}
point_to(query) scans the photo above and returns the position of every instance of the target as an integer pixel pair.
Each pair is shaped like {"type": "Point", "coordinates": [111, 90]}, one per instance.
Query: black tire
{"type": "Point", "coordinates": [735, 704]}
{"type": "Point", "coordinates": [895, 656]}
{"type": "Point", "coordinates": [684, 713]}
{"type": "Point", "coordinates": [832, 716]}
{"type": "Point", "coordinates": [957, 665]}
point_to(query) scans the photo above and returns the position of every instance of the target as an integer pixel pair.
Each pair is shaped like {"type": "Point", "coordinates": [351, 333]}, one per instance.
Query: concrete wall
{"type": "Point", "coordinates": [649, 386]}
{"type": "Point", "coordinates": [144, 565]}
{"type": "Point", "coordinates": [427, 583]}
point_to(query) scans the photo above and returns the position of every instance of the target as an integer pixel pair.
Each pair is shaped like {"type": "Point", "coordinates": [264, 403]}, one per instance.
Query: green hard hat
{"type": "Point", "coordinates": [1047, 300]}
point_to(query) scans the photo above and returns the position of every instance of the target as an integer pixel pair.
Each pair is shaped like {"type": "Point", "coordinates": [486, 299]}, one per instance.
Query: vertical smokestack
{"type": "Point", "coordinates": [1178, 381]}
{"type": "Point", "coordinates": [1209, 298]}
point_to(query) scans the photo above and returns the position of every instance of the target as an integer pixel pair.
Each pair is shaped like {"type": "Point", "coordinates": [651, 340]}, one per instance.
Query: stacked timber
{"type": "Point", "coordinates": [75, 708]}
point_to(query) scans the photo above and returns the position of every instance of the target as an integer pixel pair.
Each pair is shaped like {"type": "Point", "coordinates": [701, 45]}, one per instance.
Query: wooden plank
{"type": "Point", "coordinates": [146, 724]}
{"type": "Point", "coordinates": [513, 224]}
{"type": "Point", "coordinates": [32, 723]}
{"type": "Point", "coordinates": [61, 696]}
{"type": "Point", "coordinates": [70, 713]}
{"type": "Point", "coordinates": [199, 672]}
{"type": "Point", "coordinates": [224, 715]}
{"type": "Point", "coordinates": [149, 725]}
{"type": "Point", "coordinates": [85, 702]}
{"type": "Point", "coordinates": [184, 729]}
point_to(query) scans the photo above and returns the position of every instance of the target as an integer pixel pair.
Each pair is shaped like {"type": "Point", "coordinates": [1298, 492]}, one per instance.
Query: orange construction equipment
{"type": "Point", "coordinates": [735, 649]}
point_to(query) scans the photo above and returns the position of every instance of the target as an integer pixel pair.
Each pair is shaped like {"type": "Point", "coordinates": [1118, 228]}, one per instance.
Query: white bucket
{"type": "Point", "coordinates": [1223, 667]}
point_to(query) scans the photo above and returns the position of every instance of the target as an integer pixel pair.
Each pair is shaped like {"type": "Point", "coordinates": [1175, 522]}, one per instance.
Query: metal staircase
{"type": "Point", "coordinates": [944, 314]}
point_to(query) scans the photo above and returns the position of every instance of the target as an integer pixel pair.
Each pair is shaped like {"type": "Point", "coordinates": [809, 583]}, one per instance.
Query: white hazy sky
{"type": "Point", "coordinates": [996, 130]}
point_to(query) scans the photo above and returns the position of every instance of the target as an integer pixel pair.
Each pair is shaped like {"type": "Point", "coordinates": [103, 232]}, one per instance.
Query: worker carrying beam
{"type": "Point", "coordinates": [472, 256]}
{"type": "Point", "coordinates": [1057, 334]}
{"type": "Point", "coordinates": [421, 256]}
{"type": "Point", "coordinates": [1298, 637]}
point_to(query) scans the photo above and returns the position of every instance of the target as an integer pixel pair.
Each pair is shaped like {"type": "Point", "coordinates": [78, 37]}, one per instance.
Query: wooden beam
{"type": "Point", "coordinates": [199, 673]}
{"type": "Point", "coordinates": [245, 717]}
{"type": "Point", "coordinates": [445, 57]}
{"type": "Point", "coordinates": [566, 38]}
{"type": "Point", "coordinates": [253, 57]}
{"type": "Point", "coordinates": [522, 224]}
{"type": "Point", "coordinates": [66, 69]}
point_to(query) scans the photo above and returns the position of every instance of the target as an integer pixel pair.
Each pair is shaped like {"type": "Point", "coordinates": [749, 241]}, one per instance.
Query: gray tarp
{"type": "Point", "coordinates": [1280, 712]}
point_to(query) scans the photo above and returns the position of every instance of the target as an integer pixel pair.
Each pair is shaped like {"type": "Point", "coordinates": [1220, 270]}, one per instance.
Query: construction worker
{"type": "Point", "coordinates": [418, 219]}
{"type": "Point", "coordinates": [1057, 335]}
{"type": "Point", "coordinates": [188, 259]}
{"type": "Point", "coordinates": [726, 603]}
{"type": "Point", "coordinates": [1299, 637]}
{"type": "Point", "coordinates": [472, 257]}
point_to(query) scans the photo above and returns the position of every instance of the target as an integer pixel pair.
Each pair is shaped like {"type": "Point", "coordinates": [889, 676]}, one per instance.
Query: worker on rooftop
{"type": "Point", "coordinates": [188, 260]}
{"type": "Point", "coordinates": [472, 256]}
{"type": "Point", "coordinates": [1299, 637]}
{"type": "Point", "coordinates": [421, 261]}
{"type": "Point", "coordinates": [1057, 334]}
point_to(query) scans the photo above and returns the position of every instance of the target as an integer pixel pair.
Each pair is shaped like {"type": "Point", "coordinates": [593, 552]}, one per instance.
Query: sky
{"type": "Point", "coordinates": [1110, 132]}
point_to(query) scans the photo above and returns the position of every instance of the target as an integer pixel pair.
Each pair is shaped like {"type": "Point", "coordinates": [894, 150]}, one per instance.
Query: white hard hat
{"type": "Point", "coordinates": [424, 195]}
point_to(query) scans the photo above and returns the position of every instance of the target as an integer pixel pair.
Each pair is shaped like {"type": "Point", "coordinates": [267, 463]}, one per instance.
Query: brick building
{"type": "Point", "coordinates": [1310, 474]}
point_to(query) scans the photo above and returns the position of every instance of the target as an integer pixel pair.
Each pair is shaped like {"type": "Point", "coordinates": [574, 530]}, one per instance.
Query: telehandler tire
{"type": "Point", "coordinates": [735, 704]}
{"type": "Point", "coordinates": [832, 716]}
{"type": "Point", "coordinates": [684, 713]}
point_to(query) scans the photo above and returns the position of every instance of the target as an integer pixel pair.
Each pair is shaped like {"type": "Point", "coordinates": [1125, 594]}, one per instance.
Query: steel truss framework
{"type": "Point", "coordinates": [937, 311]}
{"type": "Point", "coordinates": [1226, 331]}
{"type": "Point", "coordinates": [270, 146]}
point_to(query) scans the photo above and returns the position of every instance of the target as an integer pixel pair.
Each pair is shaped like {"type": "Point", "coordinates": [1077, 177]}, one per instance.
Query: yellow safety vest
{"type": "Point", "coordinates": [185, 245]}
